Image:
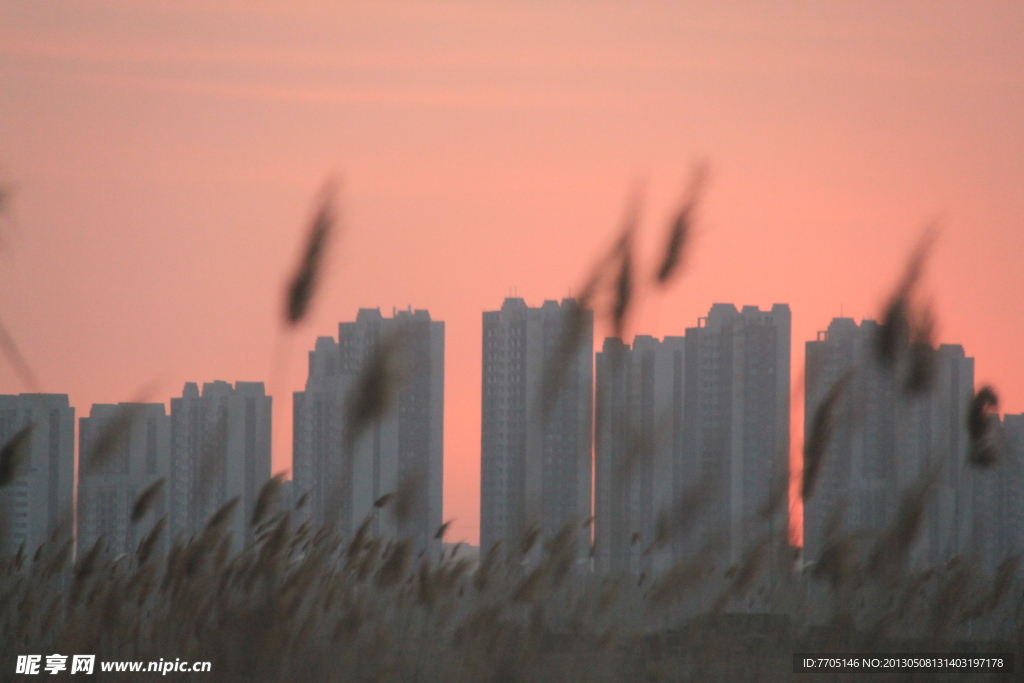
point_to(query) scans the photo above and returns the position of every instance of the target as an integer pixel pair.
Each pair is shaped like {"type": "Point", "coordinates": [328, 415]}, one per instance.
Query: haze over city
{"type": "Point", "coordinates": [165, 160]}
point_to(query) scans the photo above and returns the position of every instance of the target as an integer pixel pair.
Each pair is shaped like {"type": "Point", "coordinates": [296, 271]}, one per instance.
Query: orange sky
{"type": "Point", "coordinates": [165, 157]}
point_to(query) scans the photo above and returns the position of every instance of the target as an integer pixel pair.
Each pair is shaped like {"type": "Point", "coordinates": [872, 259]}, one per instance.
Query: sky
{"type": "Point", "coordinates": [165, 157]}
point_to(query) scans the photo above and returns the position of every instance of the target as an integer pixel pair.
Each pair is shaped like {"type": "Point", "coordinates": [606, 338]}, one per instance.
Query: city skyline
{"type": "Point", "coordinates": [905, 432]}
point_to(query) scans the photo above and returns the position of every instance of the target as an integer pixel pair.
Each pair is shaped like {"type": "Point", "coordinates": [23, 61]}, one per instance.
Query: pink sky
{"type": "Point", "coordinates": [165, 157]}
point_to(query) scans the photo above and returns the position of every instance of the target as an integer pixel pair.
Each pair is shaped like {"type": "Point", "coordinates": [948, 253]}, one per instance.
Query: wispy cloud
{"type": "Point", "coordinates": [497, 97]}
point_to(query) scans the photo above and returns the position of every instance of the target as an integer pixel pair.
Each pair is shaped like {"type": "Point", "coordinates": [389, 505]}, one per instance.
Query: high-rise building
{"type": "Point", "coordinates": [885, 441]}
{"type": "Point", "coordinates": [220, 450]}
{"type": "Point", "coordinates": [109, 487]}
{"type": "Point", "coordinates": [940, 441]}
{"type": "Point", "coordinates": [998, 509]}
{"type": "Point", "coordinates": [537, 406]}
{"type": "Point", "coordinates": [340, 475]}
{"type": "Point", "coordinates": [638, 451]}
{"type": "Point", "coordinates": [851, 490]}
{"type": "Point", "coordinates": [37, 504]}
{"type": "Point", "coordinates": [736, 426]}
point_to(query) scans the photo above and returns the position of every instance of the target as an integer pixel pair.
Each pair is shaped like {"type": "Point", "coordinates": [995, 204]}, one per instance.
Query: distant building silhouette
{"type": "Point", "coordinates": [107, 488]}
{"type": "Point", "coordinates": [37, 504]}
{"type": "Point", "coordinates": [886, 441]}
{"type": "Point", "coordinates": [638, 452]}
{"type": "Point", "coordinates": [338, 474]}
{"type": "Point", "coordinates": [940, 441]}
{"type": "Point", "coordinates": [736, 426]}
{"type": "Point", "coordinates": [998, 491]}
{"type": "Point", "coordinates": [853, 487]}
{"type": "Point", "coordinates": [220, 450]}
{"type": "Point", "coordinates": [535, 457]}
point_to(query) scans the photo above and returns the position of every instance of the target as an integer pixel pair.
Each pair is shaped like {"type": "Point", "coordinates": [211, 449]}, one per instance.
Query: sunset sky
{"type": "Point", "coordinates": [165, 156]}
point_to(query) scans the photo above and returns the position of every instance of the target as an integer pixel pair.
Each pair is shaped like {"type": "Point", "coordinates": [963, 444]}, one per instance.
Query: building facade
{"type": "Point", "coordinates": [638, 452]}
{"type": "Point", "coordinates": [339, 474]}
{"type": "Point", "coordinates": [886, 441]}
{"type": "Point", "coordinates": [998, 509]}
{"type": "Point", "coordinates": [537, 416]}
{"type": "Point", "coordinates": [736, 427]}
{"type": "Point", "coordinates": [37, 504]}
{"type": "Point", "coordinates": [220, 450]}
{"type": "Point", "coordinates": [107, 490]}
{"type": "Point", "coordinates": [940, 441]}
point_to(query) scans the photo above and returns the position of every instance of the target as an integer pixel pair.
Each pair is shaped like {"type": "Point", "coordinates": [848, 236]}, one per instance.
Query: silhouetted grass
{"type": "Point", "coordinates": [303, 285]}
